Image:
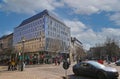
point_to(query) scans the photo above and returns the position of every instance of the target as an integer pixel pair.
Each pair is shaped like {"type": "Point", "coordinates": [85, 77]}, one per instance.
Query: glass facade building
{"type": "Point", "coordinates": [42, 32]}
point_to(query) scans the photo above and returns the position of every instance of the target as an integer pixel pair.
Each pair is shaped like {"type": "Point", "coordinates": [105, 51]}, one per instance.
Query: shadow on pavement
{"type": "Point", "coordinates": [77, 77]}
{"type": "Point", "coordinates": [2, 71]}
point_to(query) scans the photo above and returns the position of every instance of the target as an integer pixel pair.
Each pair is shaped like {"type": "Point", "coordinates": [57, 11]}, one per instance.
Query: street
{"type": "Point", "coordinates": [49, 71]}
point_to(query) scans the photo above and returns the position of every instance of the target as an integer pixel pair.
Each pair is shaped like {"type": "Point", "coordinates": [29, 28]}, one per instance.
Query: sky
{"type": "Point", "coordinates": [91, 21]}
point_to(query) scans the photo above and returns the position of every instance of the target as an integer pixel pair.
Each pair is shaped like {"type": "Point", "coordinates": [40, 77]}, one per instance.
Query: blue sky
{"type": "Point", "coordinates": [91, 21]}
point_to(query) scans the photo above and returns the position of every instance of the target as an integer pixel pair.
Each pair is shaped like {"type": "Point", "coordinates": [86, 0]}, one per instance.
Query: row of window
{"type": "Point", "coordinates": [29, 30]}
{"type": "Point", "coordinates": [36, 34]}
{"type": "Point", "coordinates": [32, 45]}
{"type": "Point", "coordinates": [57, 29]}
{"type": "Point", "coordinates": [54, 29]}
{"type": "Point", "coordinates": [57, 24]}
{"type": "Point", "coordinates": [38, 22]}
{"type": "Point", "coordinates": [56, 35]}
{"type": "Point", "coordinates": [55, 44]}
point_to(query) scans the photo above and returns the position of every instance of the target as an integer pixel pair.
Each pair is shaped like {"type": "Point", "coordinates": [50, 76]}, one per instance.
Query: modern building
{"type": "Point", "coordinates": [43, 32]}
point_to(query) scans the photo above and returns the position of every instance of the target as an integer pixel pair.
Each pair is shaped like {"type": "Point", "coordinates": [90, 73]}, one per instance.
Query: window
{"type": "Point", "coordinates": [51, 22]}
{"type": "Point", "coordinates": [48, 33]}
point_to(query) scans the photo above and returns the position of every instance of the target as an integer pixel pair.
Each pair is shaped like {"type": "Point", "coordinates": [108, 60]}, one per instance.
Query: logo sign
{"type": "Point", "coordinates": [66, 65]}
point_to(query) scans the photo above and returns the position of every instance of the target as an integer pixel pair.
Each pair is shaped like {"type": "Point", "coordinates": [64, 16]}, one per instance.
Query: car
{"type": "Point", "coordinates": [117, 62]}
{"type": "Point", "coordinates": [95, 69]}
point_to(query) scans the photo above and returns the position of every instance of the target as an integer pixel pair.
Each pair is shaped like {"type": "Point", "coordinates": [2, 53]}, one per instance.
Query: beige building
{"type": "Point", "coordinates": [6, 43]}
{"type": "Point", "coordinates": [6, 47]}
{"type": "Point", "coordinates": [76, 50]}
{"type": "Point", "coordinates": [33, 45]}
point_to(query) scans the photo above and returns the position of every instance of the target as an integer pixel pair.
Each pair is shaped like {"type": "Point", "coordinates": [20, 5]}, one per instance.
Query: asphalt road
{"type": "Point", "coordinates": [59, 71]}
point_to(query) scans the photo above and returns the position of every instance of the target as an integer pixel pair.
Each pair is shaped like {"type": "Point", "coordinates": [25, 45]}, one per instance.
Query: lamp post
{"type": "Point", "coordinates": [74, 50]}
{"type": "Point", "coordinates": [22, 62]}
{"type": "Point", "coordinates": [23, 40]}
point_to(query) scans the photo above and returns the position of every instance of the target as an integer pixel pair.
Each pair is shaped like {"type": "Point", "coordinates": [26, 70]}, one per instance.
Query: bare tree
{"type": "Point", "coordinates": [111, 47]}
{"type": "Point", "coordinates": [80, 53]}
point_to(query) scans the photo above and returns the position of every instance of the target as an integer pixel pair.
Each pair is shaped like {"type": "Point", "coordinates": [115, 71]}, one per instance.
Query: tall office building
{"type": "Point", "coordinates": [41, 32]}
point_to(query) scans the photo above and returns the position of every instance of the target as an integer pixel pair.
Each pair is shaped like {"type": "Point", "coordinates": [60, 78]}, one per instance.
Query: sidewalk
{"type": "Point", "coordinates": [3, 68]}
{"type": "Point", "coordinates": [29, 73]}
{"type": "Point", "coordinates": [35, 72]}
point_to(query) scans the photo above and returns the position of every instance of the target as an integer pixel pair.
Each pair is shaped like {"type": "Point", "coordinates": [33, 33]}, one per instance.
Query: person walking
{"type": "Point", "coordinates": [55, 61]}
{"type": "Point", "coordinates": [13, 65]}
{"type": "Point", "coordinates": [58, 61]}
{"type": "Point", "coordinates": [9, 65]}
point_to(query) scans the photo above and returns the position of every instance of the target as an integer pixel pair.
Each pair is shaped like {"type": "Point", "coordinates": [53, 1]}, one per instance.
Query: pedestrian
{"type": "Point", "coordinates": [55, 61]}
{"type": "Point", "coordinates": [24, 63]}
{"type": "Point", "coordinates": [9, 65]}
{"type": "Point", "coordinates": [80, 60]}
{"type": "Point", "coordinates": [13, 65]}
{"type": "Point", "coordinates": [100, 61]}
{"type": "Point", "coordinates": [19, 65]}
{"type": "Point", "coordinates": [58, 61]}
{"type": "Point", "coordinates": [108, 61]}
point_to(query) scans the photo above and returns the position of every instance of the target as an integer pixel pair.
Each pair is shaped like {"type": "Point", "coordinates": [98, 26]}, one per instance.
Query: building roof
{"type": "Point", "coordinates": [39, 15]}
{"type": "Point", "coordinates": [5, 36]}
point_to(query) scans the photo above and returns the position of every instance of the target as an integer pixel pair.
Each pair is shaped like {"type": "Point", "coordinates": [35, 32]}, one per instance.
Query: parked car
{"type": "Point", "coordinates": [117, 62]}
{"type": "Point", "coordinates": [95, 69]}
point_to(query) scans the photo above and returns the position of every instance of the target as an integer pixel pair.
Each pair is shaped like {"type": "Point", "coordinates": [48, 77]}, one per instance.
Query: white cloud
{"type": "Point", "coordinates": [115, 18]}
{"type": "Point", "coordinates": [111, 32]}
{"type": "Point", "coordinates": [88, 7]}
{"type": "Point", "coordinates": [78, 6]}
{"type": "Point", "coordinates": [89, 37]}
{"type": "Point", "coordinates": [7, 32]}
{"type": "Point", "coordinates": [93, 6]}
{"type": "Point", "coordinates": [29, 6]}
{"type": "Point", "coordinates": [82, 32]}
{"type": "Point", "coordinates": [76, 26]}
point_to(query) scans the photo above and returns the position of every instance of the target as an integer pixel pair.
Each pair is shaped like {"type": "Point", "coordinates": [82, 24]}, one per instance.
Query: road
{"type": "Point", "coordinates": [44, 72]}
{"type": "Point", "coordinates": [59, 71]}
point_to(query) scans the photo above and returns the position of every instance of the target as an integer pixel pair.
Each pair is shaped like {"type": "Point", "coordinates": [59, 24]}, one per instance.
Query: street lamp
{"type": "Point", "coordinates": [22, 63]}
{"type": "Point", "coordinates": [23, 40]}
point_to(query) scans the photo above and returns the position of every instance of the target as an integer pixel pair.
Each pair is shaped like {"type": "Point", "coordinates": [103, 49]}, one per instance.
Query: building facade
{"type": "Point", "coordinates": [76, 51]}
{"type": "Point", "coordinates": [41, 32]}
{"type": "Point", "coordinates": [6, 47]}
{"type": "Point", "coordinates": [6, 43]}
